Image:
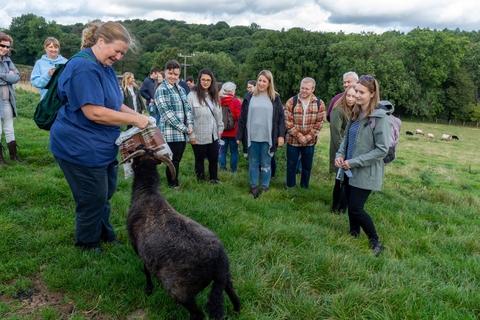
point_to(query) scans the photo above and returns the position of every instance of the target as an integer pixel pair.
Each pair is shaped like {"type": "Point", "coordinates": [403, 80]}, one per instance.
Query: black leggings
{"type": "Point", "coordinates": [356, 213]}
{"type": "Point", "coordinates": [209, 151]}
{"type": "Point", "coordinates": [177, 149]}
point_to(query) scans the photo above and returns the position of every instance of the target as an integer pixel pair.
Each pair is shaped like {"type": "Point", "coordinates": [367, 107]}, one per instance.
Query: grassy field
{"type": "Point", "coordinates": [290, 257]}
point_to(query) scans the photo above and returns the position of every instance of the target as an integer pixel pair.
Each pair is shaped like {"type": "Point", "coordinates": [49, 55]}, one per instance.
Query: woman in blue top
{"type": "Point", "coordinates": [361, 156]}
{"type": "Point", "coordinates": [44, 67]}
{"type": "Point", "coordinates": [82, 138]}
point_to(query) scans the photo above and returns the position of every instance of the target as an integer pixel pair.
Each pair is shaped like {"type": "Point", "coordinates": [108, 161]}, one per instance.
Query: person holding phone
{"type": "Point", "coordinates": [45, 66]}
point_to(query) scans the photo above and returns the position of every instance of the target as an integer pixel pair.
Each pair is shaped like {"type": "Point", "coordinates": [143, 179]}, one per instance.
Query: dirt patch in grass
{"type": "Point", "coordinates": [28, 303]}
{"type": "Point", "coordinates": [26, 85]}
{"type": "Point", "coordinates": [37, 297]}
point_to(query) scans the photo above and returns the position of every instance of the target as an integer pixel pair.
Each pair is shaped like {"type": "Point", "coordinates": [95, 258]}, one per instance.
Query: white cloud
{"type": "Point", "coordinates": [315, 15]}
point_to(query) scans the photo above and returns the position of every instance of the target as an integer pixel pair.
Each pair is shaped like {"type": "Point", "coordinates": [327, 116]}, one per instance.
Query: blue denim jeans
{"type": "Point", "coordinates": [292, 160]}
{"type": "Point", "coordinates": [92, 188]}
{"type": "Point", "coordinates": [232, 144]}
{"type": "Point", "coordinates": [258, 156]}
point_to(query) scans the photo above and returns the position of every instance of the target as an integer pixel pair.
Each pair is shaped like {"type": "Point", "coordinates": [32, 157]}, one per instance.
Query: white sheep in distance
{"type": "Point", "coordinates": [180, 253]}
{"type": "Point", "coordinates": [446, 137]}
{"type": "Point", "coordinates": [418, 131]}
{"type": "Point", "coordinates": [430, 135]}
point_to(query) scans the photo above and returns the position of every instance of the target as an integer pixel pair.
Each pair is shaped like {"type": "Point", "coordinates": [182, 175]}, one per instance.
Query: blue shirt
{"type": "Point", "coordinates": [73, 137]}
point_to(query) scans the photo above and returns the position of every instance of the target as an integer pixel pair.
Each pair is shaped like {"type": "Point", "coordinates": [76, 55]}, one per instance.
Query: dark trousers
{"type": "Point", "coordinates": [209, 151]}
{"type": "Point", "coordinates": [340, 202]}
{"type": "Point", "coordinates": [293, 153]}
{"type": "Point", "coordinates": [356, 213]}
{"type": "Point", "coordinates": [92, 188]}
{"type": "Point", "coordinates": [177, 149]}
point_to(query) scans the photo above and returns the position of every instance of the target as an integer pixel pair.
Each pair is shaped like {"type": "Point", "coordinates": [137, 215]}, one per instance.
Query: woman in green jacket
{"type": "Point", "coordinates": [361, 157]}
{"type": "Point", "coordinates": [339, 115]}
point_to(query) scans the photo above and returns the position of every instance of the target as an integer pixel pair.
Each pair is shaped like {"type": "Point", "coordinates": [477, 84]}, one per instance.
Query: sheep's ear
{"type": "Point", "coordinates": [137, 153]}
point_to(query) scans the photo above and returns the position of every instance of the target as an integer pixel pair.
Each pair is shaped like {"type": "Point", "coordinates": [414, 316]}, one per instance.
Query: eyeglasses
{"type": "Point", "coordinates": [368, 78]}
{"type": "Point", "coordinates": [206, 80]}
{"type": "Point", "coordinates": [4, 46]}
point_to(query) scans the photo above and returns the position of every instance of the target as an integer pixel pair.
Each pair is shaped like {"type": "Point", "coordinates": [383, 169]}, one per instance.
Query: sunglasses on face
{"type": "Point", "coordinates": [4, 46]}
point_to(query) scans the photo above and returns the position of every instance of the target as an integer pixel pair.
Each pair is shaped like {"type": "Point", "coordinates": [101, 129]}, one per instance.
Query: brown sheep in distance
{"type": "Point", "coordinates": [180, 253]}
{"type": "Point", "coordinates": [430, 135]}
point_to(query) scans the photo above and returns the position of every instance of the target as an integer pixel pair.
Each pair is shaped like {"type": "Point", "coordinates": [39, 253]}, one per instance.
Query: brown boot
{"type": "Point", "coordinates": [2, 160]}
{"type": "Point", "coordinates": [12, 149]}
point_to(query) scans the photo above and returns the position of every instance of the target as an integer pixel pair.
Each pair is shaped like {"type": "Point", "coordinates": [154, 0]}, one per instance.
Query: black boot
{"type": "Point", "coordinates": [2, 160]}
{"type": "Point", "coordinates": [376, 246]}
{"type": "Point", "coordinates": [12, 149]}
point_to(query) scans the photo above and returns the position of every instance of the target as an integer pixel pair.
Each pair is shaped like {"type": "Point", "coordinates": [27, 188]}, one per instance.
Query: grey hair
{"type": "Point", "coordinates": [227, 87]}
{"type": "Point", "coordinates": [351, 73]}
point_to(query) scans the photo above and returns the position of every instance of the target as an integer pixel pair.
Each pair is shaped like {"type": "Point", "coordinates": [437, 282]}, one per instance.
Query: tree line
{"type": "Point", "coordinates": [424, 73]}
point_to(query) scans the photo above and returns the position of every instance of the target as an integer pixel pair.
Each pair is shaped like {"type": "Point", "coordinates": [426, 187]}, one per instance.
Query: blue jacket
{"type": "Point", "coordinates": [39, 77]}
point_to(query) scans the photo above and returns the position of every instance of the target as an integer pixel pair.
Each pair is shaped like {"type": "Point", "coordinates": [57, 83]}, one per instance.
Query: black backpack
{"type": "Point", "coordinates": [48, 107]}
{"type": "Point", "coordinates": [228, 119]}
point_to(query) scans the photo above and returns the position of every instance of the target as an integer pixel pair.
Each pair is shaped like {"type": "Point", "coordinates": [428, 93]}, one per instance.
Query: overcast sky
{"type": "Point", "coordinates": [314, 15]}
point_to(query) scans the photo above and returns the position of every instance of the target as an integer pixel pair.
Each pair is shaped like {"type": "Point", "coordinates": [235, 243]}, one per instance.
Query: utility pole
{"type": "Point", "coordinates": [184, 64]}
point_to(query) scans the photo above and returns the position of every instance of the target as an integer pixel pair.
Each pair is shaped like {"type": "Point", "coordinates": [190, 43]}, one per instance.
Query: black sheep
{"type": "Point", "coordinates": [180, 253]}
{"type": "Point", "coordinates": [454, 137]}
{"type": "Point", "coordinates": [409, 133]}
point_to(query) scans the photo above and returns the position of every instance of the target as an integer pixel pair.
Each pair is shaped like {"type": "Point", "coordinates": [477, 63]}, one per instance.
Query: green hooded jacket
{"type": "Point", "coordinates": [371, 146]}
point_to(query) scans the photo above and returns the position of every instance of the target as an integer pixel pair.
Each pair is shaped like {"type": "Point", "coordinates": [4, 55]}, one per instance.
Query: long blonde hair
{"type": "Point", "coordinates": [110, 31]}
{"type": "Point", "coordinates": [342, 102]}
{"type": "Point", "coordinates": [124, 83]}
{"type": "Point", "coordinates": [372, 86]}
{"type": "Point", "coordinates": [271, 87]}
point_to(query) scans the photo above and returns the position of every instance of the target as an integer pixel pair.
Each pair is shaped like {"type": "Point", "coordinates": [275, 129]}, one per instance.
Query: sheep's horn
{"type": "Point", "coordinates": [168, 163]}
{"type": "Point", "coordinates": [133, 155]}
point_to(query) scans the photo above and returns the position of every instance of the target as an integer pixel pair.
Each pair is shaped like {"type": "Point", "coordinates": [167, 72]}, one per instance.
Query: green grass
{"type": "Point", "coordinates": [290, 257]}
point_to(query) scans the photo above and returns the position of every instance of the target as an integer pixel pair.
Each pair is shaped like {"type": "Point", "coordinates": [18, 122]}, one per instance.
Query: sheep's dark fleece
{"type": "Point", "coordinates": [180, 253]}
{"type": "Point", "coordinates": [455, 137]}
{"type": "Point", "coordinates": [409, 133]}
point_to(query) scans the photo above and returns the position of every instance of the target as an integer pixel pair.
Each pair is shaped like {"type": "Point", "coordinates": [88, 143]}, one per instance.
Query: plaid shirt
{"type": "Point", "coordinates": [175, 112]}
{"type": "Point", "coordinates": [299, 124]}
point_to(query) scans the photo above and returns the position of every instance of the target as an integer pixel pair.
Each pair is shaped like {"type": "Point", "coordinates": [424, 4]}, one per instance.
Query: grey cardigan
{"type": "Point", "coordinates": [9, 80]}
{"type": "Point", "coordinates": [202, 120]}
{"type": "Point", "coordinates": [371, 146]}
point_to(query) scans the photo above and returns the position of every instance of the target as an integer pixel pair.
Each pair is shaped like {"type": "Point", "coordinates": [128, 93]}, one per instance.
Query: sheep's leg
{"type": "Point", "coordinates": [215, 300]}
{"type": "Point", "coordinates": [232, 295]}
{"type": "Point", "coordinates": [195, 312]}
{"type": "Point", "coordinates": [149, 287]}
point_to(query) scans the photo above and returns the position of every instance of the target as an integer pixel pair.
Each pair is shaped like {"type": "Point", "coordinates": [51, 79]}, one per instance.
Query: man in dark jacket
{"type": "Point", "coordinates": [147, 90]}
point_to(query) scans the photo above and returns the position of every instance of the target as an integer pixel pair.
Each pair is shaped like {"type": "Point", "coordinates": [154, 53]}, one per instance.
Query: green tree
{"type": "Point", "coordinates": [165, 55]}
{"type": "Point", "coordinates": [29, 33]}
{"type": "Point", "coordinates": [459, 94]}
{"type": "Point", "coordinates": [221, 65]}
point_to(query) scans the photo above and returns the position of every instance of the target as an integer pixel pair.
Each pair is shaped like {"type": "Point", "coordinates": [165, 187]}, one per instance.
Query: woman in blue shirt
{"type": "Point", "coordinates": [44, 67]}
{"type": "Point", "coordinates": [82, 138]}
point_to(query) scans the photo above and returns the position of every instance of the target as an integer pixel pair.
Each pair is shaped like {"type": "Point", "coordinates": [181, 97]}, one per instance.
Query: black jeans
{"type": "Point", "coordinates": [356, 213]}
{"type": "Point", "coordinates": [209, 151]}
{"type": "Point", "coordinates": [177, 149]}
